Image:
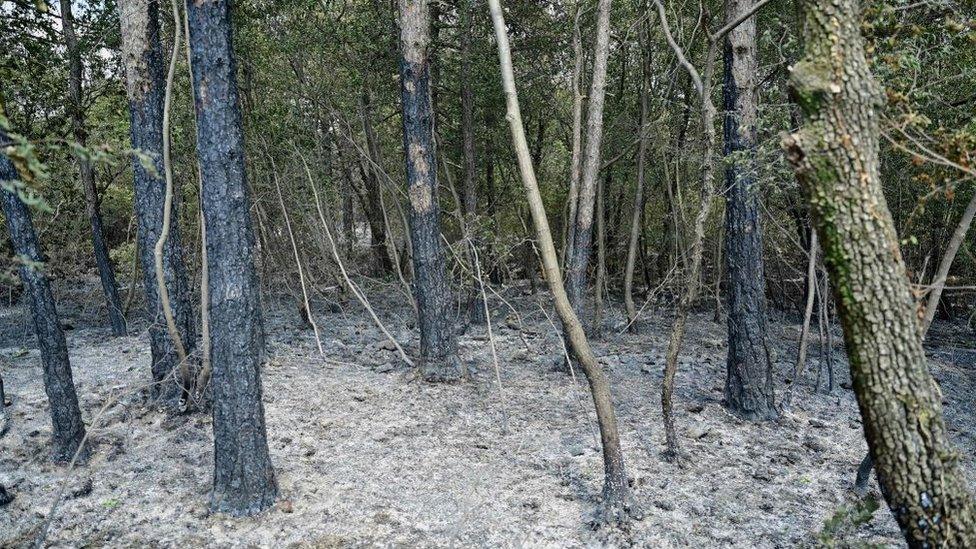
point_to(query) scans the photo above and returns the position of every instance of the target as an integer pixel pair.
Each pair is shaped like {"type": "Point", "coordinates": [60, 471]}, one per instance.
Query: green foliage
{"type": "Point", "coordinates": [845, 521]}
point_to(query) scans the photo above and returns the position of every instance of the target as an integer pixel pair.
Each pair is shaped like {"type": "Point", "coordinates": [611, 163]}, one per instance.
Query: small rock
{"type": "Point", "coordinates": [5, 496]}
{"type": "Point", "coordinates": [763, 473]}
{"type": "Point", "coordinates": [81, 489]}
{"type": "Point", "coordinates": [818, 423]}
{"type": "Point", "coordinates": [696, 408]}
{"type": "Point", "coordinates": [815, 444]}
{"type": "Point", "coordinates": [666, 505]}
{"type": "Point", "coordinates": [386, 345]}
{"type": "Point", "coordinates": [698, 432]}
{"type": "Point", "coordinates": [285, 506]}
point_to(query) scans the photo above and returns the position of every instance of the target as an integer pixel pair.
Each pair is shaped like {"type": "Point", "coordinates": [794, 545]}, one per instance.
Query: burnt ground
{"type": "Point", "coordinates": [367, 455]}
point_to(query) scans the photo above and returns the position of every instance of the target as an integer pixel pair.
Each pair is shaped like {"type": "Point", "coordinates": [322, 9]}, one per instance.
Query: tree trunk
{"type": "Point", "coordinates": [467, 113]}
{"type": "Point", "coordinates": [939, 280]}
{"type": "Point", "coordinates": [142, 55]}
{"type": "Point", "coordinates": [244, 481]}
{"type": "Point", "coordinates": [575, 166]}
{"type": "Point", "coordinates": [835, 155]}
{"type": "Point", "coordinates": [579, 255]}
{"type": "Point", "coordinates": [87, 175]}
{"type": "Point", "coordinates": [371, 174]}
{"type": "Point", "coordinates": [68, 428]}
{"type": "Point", "coordinates": [438, 341]}
{"type": "Point", "coordinates": [635, 223]}
{"type": "Point", "coordinates": [618, 503]}
{"type": "Point", "coordinates": [749, 371]}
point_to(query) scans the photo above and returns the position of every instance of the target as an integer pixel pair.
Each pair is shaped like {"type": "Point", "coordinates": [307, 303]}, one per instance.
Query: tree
{"type": "Point", "coordinates": [143, 59]}
{"type": "Point", "coordinates": [836, 160]}
{"type": "Point", "coordinates": [578, 256]}
{"type": "Point", "coordinates": [438, 341]}
{"type": "Point", "coordinates": [618, 503]}
{"type": "Point", "coordinates": [244, 481]}
{"type": "Point", "coordinates": [76, 111]}
{"type": "Point", "coordinates": [635, 223]}
{"type": "Point", "coordinates": [749, 380]}
{"type": "Point", "coordinates": [68, 428]}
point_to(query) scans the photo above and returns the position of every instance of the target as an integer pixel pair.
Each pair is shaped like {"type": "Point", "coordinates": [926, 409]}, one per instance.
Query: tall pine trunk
{"type": "Point", "coordinates": [749, 379]}
{"type": "Point", "coordinates": [145, 88]}
{"type": "Point", "coordinates": [68, 428]}
{"type": "Point", "coordinates": [87, 176]}
{"type": "Point", "coordinates": [244, 481]}
{"type": "Point", "coordinates": [835, 155]}
{"type": "Point", "coordinates": [438, 341]}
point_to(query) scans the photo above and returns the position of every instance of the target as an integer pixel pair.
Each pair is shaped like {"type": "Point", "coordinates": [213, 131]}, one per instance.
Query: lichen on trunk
{"type": "Point", "coordinates": [835, 156]}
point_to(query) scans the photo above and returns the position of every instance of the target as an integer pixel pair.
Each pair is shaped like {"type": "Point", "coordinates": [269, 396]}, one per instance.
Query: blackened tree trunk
{"type": "Point", "coordinates": [142, 55]}
{"type": "Point", "coordinates": [68, 428]}
{"type": "Point", "coordinates": [76, 110]}
{"type": "Point", "coordinates": [244, 481]}
{"type": "Point", "coordinates": [438, 341]}
{"type": "Point", "coordinates": [835, 155]}
{"type": "Point", "coordinates": [579, 254]}
{"type": "Point", "coordinates": [749, 379]}
{"type": "Point", "coordinates": [467, 113]}
{"type": "Point", "coordinates": [373, 205]}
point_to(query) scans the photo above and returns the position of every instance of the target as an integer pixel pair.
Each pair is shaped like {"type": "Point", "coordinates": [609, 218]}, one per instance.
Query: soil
{"type": "Point", "coordinates": [366, 454]}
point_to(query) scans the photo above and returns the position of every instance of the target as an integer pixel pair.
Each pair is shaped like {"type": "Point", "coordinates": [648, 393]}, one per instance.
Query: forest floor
{"type": "Point", "coordinates": [366, 455]}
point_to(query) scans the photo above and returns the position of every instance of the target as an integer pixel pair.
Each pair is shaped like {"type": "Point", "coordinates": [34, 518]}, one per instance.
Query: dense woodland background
{"type": "Point", "coordinates": [321, 107]}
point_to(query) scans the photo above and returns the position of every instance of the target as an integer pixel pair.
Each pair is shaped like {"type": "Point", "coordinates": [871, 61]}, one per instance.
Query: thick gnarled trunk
{"type": "Point", "coordinates": [438, 341]}
{"type": "Point", "coordinates": [142, 56]}
{"type": "Point", "coordinates": [244, 481]}
{"type": "Point", "coordinates": [68, 427]}
{"type": "Point", "coordinates": [835, 155]}
{"type": "Point", "coordinates": [749, 372]}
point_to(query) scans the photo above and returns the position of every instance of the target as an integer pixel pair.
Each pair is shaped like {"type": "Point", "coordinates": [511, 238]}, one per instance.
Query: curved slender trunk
{"type": "Point", "coordinates": [835, 155]}
{"type": "Point", "coordinates": [618, 502]}
{"type": "Point", "coordinates": [635, 223]}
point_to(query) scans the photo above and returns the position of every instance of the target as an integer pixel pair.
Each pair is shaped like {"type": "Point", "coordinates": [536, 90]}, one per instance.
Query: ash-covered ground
{"type": "Point", "coordinates": [366, 454]}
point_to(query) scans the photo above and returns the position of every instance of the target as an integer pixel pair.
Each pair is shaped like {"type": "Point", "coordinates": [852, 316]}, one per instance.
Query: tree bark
{"type": "Point", "coordinates": [68, 428]}
{"type": "Point", "coordinates": [618, 502]}
{"type": "Point", "coordinates": [106, 273]}
{"type": "Point", "coordinates": [635, 223]}
{"type": "Point", "coordinates": [244, 481]}
{"type": "Point", "coordinates": [835, 156]}
{"type": "Point", "coordinates": [939, 280]}
{"type": "Point", "coordinates": [373, 207]}
{"type": "Point", "coordinates": [145, 88]}
{"type": "Point", "coordinates": [438, 341]}
{"type": "Point", "coordinates": [749, 370]}
{"type": "Point", "coordinates": [467, 112]}
{"type": "Point", "coordinates": [579, 255]}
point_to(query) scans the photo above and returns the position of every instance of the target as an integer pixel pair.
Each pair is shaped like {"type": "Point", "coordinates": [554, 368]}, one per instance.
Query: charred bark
{"type": "Point", "coordinates": [106, 272]}
{"type": "Point", "coordinates": [749, 372]}
{"type": "Point", "coordinates": [438, 341]}
{"type": "Point", "coordinates": [244, 481]}
{"type": "Point", "coordinates": [142, 55]}
{"type": "Point", "coordinates": [835, 155]}
{"type": "Point", "coordinates": [68, 428]}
